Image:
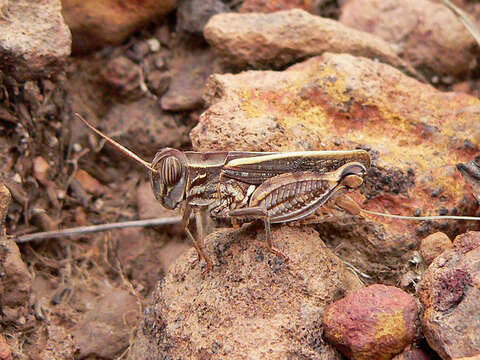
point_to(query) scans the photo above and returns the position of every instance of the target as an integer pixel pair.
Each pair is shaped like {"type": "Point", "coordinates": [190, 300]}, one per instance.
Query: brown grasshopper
{"type": "Point", "coordinates": [274, 187]}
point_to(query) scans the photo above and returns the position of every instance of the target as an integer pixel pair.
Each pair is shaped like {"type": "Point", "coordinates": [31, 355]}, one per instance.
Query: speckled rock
{"type": "Point", "coordinates": [279, 39]}
{"type": "Point", "coordinates": [376, 322]}
{"type": "Point", "coordinates": [95, 23]}
{"type": "Point", "coordinates": [449, 293]}
{"type": "Point", "coordinates": [252, 305]}
{"type": "Point", "coordinates": [433, 245]}
{"type": "Point", "coordinates": [34, 40]}
{"type": "Point", "coordinates": [426, 33]}
{"type": "Point", "coordinates": [333, 102]}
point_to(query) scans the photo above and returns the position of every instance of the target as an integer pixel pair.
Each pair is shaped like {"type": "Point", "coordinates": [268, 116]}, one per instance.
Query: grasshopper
{"type": "Point", "coordinates": [276, 187]}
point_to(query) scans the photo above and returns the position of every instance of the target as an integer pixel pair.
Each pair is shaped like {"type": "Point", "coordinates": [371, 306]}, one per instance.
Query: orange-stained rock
{"type": "Point", "coordinates": [449, 293]}
{"type": "Point", "coordinates": [272, 41]}
{"type": "Point", "coordinates": [433, 245]}
{"type": "Point", "coordinates": [96, 23]}
{"type": "Point", "coordinates": [429, 35]}
{"type": "Point", "coordinates": [376, 322]}
{"type": "Point", "coordinates": [252, 305]}
{"type": "Point", "coordinates": [414, 133]}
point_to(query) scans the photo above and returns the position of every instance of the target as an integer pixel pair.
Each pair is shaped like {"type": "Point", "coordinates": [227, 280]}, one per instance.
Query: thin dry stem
{"type": "Point", "coordinates": [96, 228]}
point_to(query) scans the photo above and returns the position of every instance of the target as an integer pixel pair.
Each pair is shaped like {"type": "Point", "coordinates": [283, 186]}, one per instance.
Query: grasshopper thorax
{"type": "Point", "coordinates": [169, 177]}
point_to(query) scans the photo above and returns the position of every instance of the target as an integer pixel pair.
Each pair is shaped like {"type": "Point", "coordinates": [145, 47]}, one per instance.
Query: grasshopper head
{"type": "Point", "coordinates": [169, 177]}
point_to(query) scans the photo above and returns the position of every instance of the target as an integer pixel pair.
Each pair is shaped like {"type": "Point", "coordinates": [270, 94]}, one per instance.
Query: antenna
{"type": "Point", "coordinates": [422, 218]}
{"type": "Point", "coordinates": [116, 145]}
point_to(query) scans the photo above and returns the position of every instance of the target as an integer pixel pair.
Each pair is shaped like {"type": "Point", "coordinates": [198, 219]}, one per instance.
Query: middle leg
{"type": "Point", "coordinates": [260, 213]}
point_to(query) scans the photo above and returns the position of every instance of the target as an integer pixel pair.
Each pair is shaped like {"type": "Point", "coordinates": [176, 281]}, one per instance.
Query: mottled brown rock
{"type": "Point", "coordinates": [169, 252]}
{"type": "Point", "coordinates": [58, 345]}
{"type": "Point", "coordinates": [413, 354]}
{"type": "Point", "coordinates": [192, 15]}
{"type": "Point", "coordinates": [376, 322]}
{"type": "Point", "coordinates": [16, 281]}
{"type": "Point", "coordinates": [95, 23]}
{"type": "Point", "coordinates": [190, 70]}
{"type": "Point", "coordinates": [123, 77]}
{"type": "Point", "coordinates": [104, 330]}
{"type": "Point", "coordinates": [427, 34]}
{"type": "Point", "coordinates": [34, 40]}
{"type": "Point", "coordinates": [433, 245]}
{"type": "Point", "coordinates": [262, 6]}
{"type": "Point", "coordinates": [5, 198]}
{"type": "Point", "coordinates": [158, 82]}
{"type": "Point", "coordinates": [279, 39]}
{"type": "Point", "coordinates": [449, 293]}
{"type": "Point", "coordinates": [252, 305]}
{"type": "Point", "coordinates": [333, 102]}
{"type": "Point", "coordinates": [143, 127]}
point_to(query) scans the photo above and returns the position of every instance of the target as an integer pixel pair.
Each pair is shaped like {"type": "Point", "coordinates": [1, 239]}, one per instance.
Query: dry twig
{"type": "Point", "coordinates": [96, 228]}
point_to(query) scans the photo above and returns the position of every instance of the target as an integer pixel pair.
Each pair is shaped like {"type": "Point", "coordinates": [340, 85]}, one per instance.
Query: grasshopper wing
{"type": "Point", "coordinates": [257, 169]}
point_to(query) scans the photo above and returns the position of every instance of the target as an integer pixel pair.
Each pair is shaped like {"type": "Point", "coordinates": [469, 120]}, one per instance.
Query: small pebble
{"type": "Point", "coordinates": [153, 44]}
{"type": "Point", "coordinates": [17, 178]}
{"type": "Point", "coordinates": [433, 245]}
{"type": "Point", "coordinates": [76, 147]}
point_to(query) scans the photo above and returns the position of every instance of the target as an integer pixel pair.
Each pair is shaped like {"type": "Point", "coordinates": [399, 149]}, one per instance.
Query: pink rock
{"type": "Point", "coordinates": [375, 322]}
{"type": "Point", "coordinates": [433, 245]}
{"type": "Point", "coordinates": [449, 292]}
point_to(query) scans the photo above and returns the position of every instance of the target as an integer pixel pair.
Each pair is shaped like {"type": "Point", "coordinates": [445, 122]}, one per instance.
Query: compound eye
{"type": "Point", "coordinates": [352, 181]}
{"type": "Point", "coordinates": [352, 175]}
{"type": "Point", "coordinates": [171, 170]}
